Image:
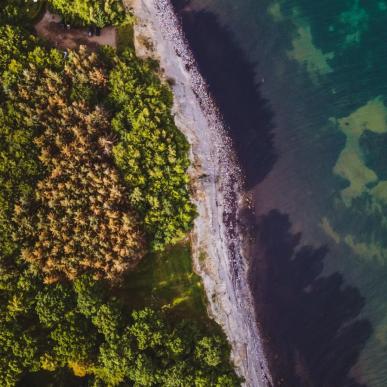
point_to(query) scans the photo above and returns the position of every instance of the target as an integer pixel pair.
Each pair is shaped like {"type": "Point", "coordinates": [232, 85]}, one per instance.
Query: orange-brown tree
{"type": "Point", "coordinates": [81, 219]}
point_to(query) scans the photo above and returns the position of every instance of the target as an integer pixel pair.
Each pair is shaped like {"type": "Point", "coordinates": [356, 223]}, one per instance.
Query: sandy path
{"type": "Point", "coordinates": [49, 28]}
{"type": "Point", "coordinates": [217, 185]}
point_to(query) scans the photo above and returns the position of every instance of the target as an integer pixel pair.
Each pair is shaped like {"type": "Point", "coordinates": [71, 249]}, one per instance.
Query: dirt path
{"type": "Point", "coordinates": [49, 28]}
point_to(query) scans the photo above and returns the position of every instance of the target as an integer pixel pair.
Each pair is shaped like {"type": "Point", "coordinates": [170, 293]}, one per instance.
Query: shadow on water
{"type": "Point", "coordinates": [312, 333]}
{"type": "Point", "coordinates": [230, 78]}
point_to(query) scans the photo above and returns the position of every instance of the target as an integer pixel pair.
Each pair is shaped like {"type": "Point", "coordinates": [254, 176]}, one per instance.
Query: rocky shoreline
{"type": "Point", "coordinates": [217, 183]}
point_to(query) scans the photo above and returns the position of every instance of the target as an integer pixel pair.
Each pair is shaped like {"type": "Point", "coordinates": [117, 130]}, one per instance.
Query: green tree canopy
{"type": "Point", "coordinates": [151, 153]}
{"type": "Point", "coordinates": [99, 12]}
{"type": "Point", "coordinates": [50, 331]}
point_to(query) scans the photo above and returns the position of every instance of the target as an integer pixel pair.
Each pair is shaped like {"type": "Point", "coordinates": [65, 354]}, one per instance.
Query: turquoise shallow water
{"type": "Point", "coordinates": [321, 200]}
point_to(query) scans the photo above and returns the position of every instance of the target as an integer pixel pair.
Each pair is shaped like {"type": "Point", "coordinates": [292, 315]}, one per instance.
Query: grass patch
{"type": "Point", "coordinates": [202, 257]}
{"type": "Point", "coordinates": [166, 280]}
{"type": "Point", "coordinates": [125, 36]}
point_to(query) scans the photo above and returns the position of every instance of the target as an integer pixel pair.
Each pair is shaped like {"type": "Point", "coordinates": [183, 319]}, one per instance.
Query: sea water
{"type": "Point", "coordinates": [302, 85]}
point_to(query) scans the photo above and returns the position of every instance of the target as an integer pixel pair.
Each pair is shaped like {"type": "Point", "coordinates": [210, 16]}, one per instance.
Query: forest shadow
{"type": "Point", "coordinates": [63, 377]}
{"type": "Point", "coordinates": [313, 336]}
{"type": "Point", "coordinates": [231, 80]}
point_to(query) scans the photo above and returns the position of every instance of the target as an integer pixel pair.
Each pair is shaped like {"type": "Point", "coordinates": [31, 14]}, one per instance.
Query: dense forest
{"type": "Point", "coordinates": [98, 12]}
{"type": "Point", "coordinates": [94, 186]}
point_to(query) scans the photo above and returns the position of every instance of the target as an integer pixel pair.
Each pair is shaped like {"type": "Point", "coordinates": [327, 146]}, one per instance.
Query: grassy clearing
{"type": "Point", "coordinates": [125, 36]}
{"type": "Point", "coordinates": [167, 280]}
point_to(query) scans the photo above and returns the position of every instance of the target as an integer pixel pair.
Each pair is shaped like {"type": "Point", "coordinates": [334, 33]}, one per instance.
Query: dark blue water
{"type": "Point", "coordinates": [303, 87]}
